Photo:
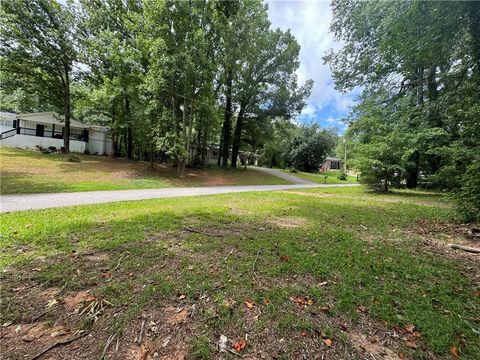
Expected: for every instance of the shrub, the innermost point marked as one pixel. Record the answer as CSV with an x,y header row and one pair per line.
x,y
73,158
468,195
293,170
342,176
52,148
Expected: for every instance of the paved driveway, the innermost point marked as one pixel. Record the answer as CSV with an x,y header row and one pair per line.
x,y
44,201
281,174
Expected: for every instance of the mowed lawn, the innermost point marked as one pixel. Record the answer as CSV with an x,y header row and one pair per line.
x,y
328,177
322,273
24,171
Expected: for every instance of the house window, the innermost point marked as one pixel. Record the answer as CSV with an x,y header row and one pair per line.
x,y
14,124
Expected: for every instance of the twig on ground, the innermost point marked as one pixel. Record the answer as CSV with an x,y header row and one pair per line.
x,y
58,343
226,257
254,268
465,248
35,318
255,262
107,345
140,335
118,264
203,233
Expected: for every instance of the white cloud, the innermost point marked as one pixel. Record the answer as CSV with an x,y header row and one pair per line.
x,y
309,21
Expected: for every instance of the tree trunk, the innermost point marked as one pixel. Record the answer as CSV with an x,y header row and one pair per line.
x,y
129,134
474,15
420,91
228,118
66,102
412,172
151,155
220,150
237,136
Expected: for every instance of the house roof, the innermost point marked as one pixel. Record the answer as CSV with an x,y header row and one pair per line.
x,y
7,115
50,117
329,158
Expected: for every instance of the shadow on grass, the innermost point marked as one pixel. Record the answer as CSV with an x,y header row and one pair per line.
x,y
395,283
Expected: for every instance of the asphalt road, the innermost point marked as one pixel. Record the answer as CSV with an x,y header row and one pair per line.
x,y
10,203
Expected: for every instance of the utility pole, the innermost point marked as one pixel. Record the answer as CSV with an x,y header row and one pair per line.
x,y
345,153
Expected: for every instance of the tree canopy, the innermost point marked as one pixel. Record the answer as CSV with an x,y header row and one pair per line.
x,y
163,75
418,63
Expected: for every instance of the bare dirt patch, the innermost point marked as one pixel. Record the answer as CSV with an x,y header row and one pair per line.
x,y
97,257
77,299
438,235
288,222
310,194
372,347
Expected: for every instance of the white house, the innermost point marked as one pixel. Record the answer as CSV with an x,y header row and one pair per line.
x,y
212,151
45,129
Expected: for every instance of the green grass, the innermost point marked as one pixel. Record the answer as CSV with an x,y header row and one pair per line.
x,y
27,172
328,177
346,248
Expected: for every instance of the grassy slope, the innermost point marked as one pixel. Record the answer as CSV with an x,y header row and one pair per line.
x,y
332,177
363,258
25,171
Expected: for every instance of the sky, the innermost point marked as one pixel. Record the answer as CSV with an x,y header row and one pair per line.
x,y
309,22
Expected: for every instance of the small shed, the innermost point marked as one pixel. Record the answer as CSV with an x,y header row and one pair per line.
x,y
331,163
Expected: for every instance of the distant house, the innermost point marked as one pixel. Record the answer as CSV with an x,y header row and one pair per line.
x,y
331,163
211,153
46,129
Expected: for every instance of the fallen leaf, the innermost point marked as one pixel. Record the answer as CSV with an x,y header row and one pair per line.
x,y
302,301
190,267
401,355
240,345
412,344
57,333
304,333
455,351
409,328
51,303
476,293
327,342
106,275
249,304
181,297
284,258
266,301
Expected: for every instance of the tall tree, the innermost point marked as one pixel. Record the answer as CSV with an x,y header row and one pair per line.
x,y
38,51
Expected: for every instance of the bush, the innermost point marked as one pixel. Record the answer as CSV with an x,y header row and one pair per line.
x,y
293,170
52,148
468,196
73,158
342,176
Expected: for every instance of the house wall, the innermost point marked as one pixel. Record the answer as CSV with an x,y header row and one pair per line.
x,y
30,142
97,143
6,125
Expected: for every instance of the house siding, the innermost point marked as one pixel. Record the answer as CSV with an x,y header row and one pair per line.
x,y
30,142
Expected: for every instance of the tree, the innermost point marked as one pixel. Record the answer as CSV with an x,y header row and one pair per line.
x,y
38,52
308,147
418,62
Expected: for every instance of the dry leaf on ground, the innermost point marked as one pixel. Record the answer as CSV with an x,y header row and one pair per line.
x,y
240,345
249,304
